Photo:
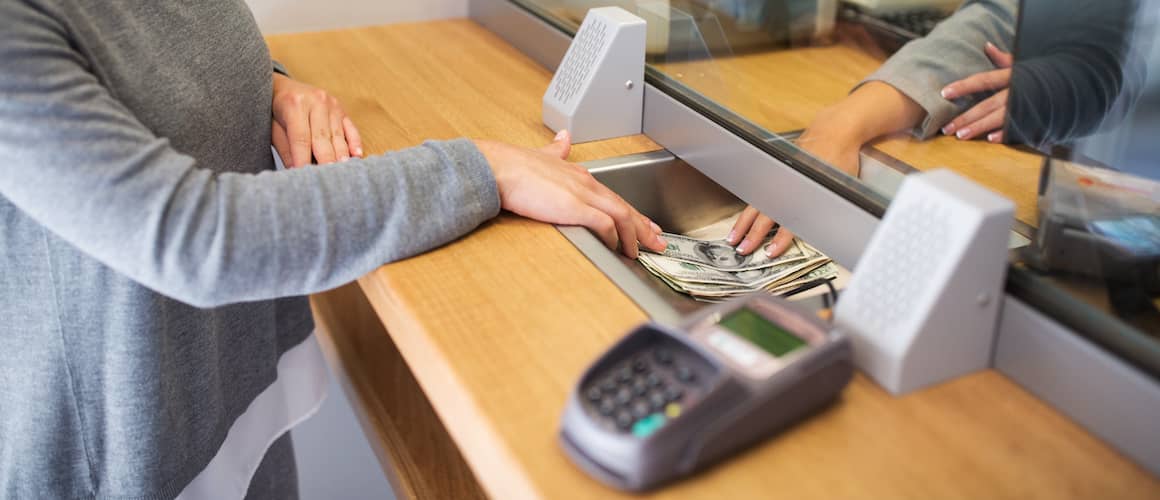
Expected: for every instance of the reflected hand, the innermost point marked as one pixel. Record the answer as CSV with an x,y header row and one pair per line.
x,y
830,139
986,117
309,122
541,185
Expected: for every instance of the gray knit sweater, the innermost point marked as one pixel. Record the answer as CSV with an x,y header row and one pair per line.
x,y
953,51
152,266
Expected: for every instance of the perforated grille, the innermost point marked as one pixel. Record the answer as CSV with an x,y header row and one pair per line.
x,y
900,270
582,56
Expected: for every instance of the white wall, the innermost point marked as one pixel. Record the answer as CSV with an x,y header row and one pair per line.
x,y
290,16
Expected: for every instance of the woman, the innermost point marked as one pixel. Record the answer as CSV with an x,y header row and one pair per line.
x,y
155,267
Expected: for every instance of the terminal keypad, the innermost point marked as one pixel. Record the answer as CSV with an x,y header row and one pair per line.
x,y
639,394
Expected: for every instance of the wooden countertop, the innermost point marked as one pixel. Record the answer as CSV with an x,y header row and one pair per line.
x,y
783,90
496,327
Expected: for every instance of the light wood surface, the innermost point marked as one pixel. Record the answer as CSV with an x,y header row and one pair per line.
x,y
497,326
407,83
783,90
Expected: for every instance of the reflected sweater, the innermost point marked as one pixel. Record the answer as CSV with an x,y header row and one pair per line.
x,y
152,265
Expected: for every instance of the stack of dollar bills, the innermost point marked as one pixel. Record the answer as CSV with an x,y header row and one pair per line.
x,y
712,271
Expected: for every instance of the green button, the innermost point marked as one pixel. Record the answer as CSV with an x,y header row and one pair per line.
x,y
648,425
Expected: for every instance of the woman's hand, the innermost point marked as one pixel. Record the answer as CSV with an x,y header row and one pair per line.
x,y
541,185
308,122
830,139
986,117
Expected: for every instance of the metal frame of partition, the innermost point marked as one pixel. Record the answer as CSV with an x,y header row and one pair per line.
x,y
1109,396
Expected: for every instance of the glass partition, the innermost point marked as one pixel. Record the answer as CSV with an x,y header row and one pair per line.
x,y
858,94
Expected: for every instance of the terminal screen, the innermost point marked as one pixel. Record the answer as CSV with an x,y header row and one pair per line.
x,y
761,332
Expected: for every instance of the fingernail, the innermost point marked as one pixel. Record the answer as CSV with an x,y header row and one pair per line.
x,y
560,135
358,151
948,129
947,92
991,45
993,137
343,158
742,247
654,226
770,249
732,238
963,133
662,241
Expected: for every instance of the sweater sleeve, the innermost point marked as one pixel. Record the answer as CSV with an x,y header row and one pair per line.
x,y
953,51
75,160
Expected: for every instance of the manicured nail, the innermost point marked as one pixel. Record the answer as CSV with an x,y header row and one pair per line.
x,y
770,249
949,129
742,247
947,92
732,238
991,45
561,135
662,241
993,137
358,152
343,158
963,133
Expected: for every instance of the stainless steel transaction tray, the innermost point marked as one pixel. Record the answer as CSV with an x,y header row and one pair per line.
x,y
674,195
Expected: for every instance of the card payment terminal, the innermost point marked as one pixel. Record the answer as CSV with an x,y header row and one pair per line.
x,y
664,402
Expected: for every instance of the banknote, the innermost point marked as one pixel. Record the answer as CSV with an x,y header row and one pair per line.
x,y
720,255
685,267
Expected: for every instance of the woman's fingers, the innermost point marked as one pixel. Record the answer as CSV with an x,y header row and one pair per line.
x,y
978,82
649,234
967,125
337,131
741,227
561,145
645,231
627,220
995,137
756,235
353,137
321,137
599,223
998,57
297,126
780,243
281,143
991,122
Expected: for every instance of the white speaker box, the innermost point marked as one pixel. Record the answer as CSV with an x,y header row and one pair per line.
x,y
598,89
922,306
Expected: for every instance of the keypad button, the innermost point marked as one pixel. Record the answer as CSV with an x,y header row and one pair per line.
x,y
648,425
640,365
674,394
640,409
607,406
663,355
639,387
673,410
624,419
624,374
653,380
594,394
657,400
623,396
608,386
685,374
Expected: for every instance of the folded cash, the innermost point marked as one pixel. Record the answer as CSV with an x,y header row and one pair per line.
x,y
712,271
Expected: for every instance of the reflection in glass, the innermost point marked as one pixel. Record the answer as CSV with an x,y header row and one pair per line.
x,y
878,89
1085,87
